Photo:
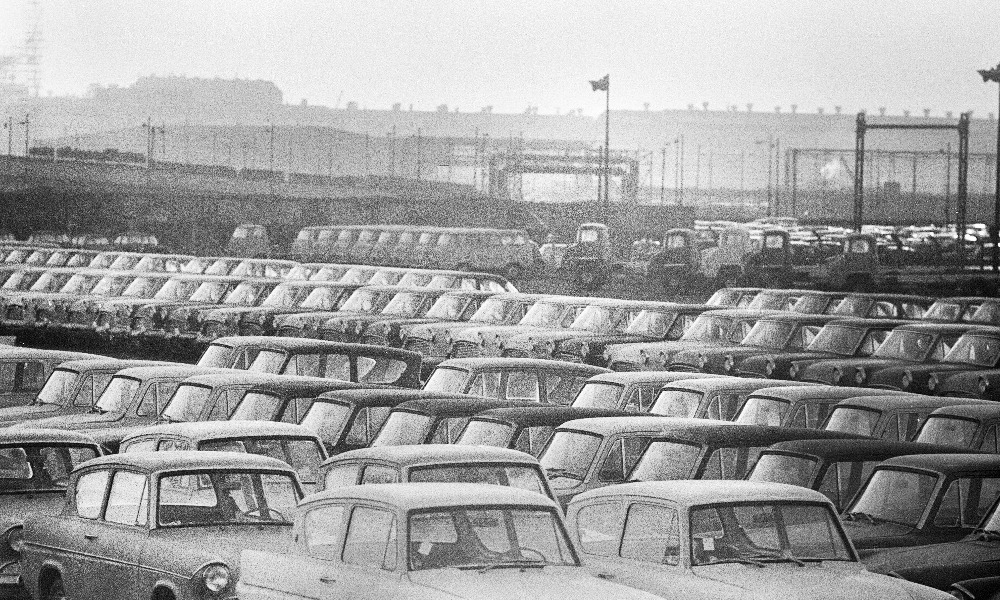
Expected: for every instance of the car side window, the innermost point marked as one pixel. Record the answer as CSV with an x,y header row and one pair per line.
x,y
600,528
623,455
8,375
379,474
128,501
799,417
486,385
532,439
843,479
371,539
322,528
85,397
891,429
882,309
522,385
871,341
341,475
89,495
652,535
990,443
148,405
33,376
561,389
724,406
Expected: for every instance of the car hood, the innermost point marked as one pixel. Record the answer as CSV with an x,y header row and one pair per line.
x,y
968,550
23,413
737,352
313,318
86,420
831,580
425,331
547,583
881,534
967,384
823,370
527,340
224,314
893,375
497,331
654,349
179,550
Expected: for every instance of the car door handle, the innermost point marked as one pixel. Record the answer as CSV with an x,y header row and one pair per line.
x,y
327,580
90,536
605,575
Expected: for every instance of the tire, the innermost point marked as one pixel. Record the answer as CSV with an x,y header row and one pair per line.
x,y
55,590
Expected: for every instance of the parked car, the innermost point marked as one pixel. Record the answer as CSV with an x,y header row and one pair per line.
x,y
837,339
72,387
435,463
159,525
835,468
81,320
455,306
797,405
277,397
334,360
883,306
34,471
349,419
954,310
433,420
733,297
24,371
293,444
887,417
917,343
632,391
433,341
367,300
921,500
972,426
709,539
775,299
710,397
776,333
977,350
711,329
522,379
814,302
419,540
527,429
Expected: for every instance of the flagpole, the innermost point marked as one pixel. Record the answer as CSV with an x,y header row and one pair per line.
x,y
607,139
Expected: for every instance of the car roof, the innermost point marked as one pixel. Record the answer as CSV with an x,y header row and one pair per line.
x,y
739,313
418,454
19,352
972,411
882,402
415,496
708,431
305,345
727,382
267,381
190,459
801,392
27,435
203,430
882,296
528,416
456,406
698,492
863,322
477,364
931,327
986,329
664,377
804,318
381,396
946,463
101,364
174,372
868,449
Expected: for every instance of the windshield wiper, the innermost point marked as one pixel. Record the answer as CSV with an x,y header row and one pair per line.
x,y
95,409
741,560
559,472
862,516
507,564
779,557
986,535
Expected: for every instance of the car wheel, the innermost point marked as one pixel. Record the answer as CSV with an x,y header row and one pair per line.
x,y
55,590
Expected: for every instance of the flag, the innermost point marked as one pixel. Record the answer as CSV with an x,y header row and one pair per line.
x,y
600,84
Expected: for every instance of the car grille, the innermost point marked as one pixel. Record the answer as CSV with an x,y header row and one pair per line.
x,y
418,345
142,324
568,357
622,365
104,319
464,349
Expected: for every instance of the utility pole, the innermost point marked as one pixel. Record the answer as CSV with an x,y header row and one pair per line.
x,y
392,155
419,158
663,176
151,131
777,176
682,170
697,168
947,185
27,132
9,126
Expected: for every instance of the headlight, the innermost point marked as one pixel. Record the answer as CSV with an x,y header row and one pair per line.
x,y
770,367
906,380
14,538
860,375
836,376
793,371
216,578
933,382
702,361
984,384
729,364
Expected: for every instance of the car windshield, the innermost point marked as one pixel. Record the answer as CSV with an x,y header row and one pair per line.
x,y
811,304
268,361
568,456
492,310
245,294
652,323
666,461
283,296
180,289
118,395
449,308
80,284
230,497
110,285
405,304
992,522
906,345
853,419
544,314
853,306
303,454
677,403
894,495
211,292
257,406
21,280
484,538
58,388
328,273
769,300
328,419
770,334
522,476
415,279
948,431
364,301
837,339
482,432
598,319
217,355
187,404
759,410
27,468
323,298
143,287
972,349
447,379
765,532
49,282
784,468
708,328
599,394
943,310
403,428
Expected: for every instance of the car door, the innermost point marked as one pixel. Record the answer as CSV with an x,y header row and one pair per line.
x,y
73,547
121,537
370,562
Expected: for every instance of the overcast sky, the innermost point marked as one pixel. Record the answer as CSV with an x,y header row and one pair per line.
x,y
515,53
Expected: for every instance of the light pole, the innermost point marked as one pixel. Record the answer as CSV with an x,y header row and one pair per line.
x,y
993,75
